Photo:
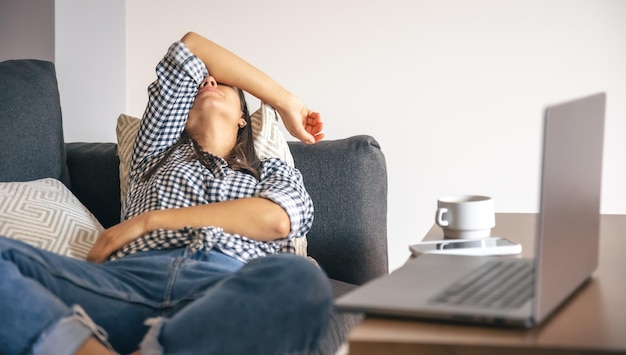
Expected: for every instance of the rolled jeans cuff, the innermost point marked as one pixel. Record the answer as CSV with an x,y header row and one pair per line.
x,y
69,334
150,343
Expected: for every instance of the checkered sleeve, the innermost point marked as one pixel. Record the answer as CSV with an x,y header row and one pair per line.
x,y
170,98
283,185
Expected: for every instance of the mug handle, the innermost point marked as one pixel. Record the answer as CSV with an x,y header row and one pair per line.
x,y
439,217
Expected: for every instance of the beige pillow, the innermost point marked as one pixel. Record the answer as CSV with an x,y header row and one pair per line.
x,y
126,131
45,214
268,142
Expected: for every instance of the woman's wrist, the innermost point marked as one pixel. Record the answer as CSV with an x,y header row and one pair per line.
x,y
281,100
149,221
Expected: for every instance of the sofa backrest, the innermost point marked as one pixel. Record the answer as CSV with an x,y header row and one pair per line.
x,y
346,178
31,129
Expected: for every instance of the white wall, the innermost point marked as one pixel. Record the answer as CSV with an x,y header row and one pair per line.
x,y
452,89
91,66
27,29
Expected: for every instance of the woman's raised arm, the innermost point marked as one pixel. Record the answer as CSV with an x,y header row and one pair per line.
x,y
228,68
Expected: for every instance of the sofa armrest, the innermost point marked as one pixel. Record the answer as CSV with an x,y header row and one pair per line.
x,y
95,180
347,180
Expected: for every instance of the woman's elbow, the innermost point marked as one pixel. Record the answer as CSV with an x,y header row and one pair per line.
x,y
190,39
277,223
282,225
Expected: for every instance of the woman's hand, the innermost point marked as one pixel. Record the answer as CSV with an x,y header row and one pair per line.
x,y
116,237
300,121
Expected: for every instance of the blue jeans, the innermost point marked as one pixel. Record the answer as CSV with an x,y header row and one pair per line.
x,y
163,301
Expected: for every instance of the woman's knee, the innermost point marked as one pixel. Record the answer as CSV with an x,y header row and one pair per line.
x,y
7,243
295,278
290,266
9,247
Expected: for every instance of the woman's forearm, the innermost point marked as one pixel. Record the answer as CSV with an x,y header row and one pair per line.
x,y
255,217
228,68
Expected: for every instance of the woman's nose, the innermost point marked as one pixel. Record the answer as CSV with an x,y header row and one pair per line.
x,y
209,80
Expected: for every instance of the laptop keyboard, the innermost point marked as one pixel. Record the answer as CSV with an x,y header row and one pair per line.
x,y
496,284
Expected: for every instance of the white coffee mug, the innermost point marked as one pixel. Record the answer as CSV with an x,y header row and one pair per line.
x,y
465,216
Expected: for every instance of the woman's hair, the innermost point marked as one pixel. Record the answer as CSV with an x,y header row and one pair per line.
x,y
242,157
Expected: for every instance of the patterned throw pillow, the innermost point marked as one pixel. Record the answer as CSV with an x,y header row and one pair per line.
x,y
126,131
268,142
45,214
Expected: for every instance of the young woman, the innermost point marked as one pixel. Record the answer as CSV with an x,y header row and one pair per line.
x,y
196,266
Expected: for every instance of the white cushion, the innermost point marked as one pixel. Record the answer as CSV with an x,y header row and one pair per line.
x,y
45,214
126,131
269,141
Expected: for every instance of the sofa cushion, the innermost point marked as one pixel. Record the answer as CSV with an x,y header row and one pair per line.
x,y
45,214
31,130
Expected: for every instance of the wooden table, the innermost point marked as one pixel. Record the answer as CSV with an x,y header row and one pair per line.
x,y
593,321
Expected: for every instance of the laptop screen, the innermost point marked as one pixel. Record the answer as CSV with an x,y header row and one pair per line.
x,y
568,226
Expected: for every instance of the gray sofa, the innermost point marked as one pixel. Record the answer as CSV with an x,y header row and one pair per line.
x,y
346,178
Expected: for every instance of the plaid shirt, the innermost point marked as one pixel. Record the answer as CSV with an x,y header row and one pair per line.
x,y
184,181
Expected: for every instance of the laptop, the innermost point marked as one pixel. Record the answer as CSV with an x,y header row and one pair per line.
x,y
514,291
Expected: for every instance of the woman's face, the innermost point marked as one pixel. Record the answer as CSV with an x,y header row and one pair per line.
x,y
216,101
